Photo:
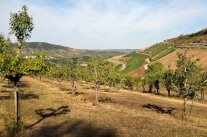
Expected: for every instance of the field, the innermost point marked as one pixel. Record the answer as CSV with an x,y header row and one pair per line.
x,y
49,111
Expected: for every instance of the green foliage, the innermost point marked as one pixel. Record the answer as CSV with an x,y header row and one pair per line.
x,y
98,70
71,70
159,50
153,75
21,24
153,72
113,77
188,76
134,60
128,82
13,67
167,79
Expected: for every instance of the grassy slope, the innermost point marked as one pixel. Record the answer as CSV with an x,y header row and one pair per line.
x,y
159,50
122,116
134,60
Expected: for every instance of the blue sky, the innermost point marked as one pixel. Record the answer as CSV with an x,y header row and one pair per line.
x,y
108,24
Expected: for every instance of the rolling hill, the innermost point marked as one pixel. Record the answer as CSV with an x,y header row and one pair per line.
x,y
58,52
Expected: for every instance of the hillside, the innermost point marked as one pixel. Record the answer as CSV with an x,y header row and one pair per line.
x,y
166,52
171,58
194,40
59,52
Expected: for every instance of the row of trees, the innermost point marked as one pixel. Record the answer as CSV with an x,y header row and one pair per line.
x,y
99,72
188,79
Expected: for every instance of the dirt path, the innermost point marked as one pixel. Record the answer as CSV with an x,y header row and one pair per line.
x,y
118,60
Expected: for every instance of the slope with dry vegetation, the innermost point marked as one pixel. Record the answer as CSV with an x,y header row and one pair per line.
x,y
49,110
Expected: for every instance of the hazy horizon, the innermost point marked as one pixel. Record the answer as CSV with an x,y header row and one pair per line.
x,y
108,24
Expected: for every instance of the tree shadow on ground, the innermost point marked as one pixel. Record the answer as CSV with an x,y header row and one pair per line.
x,y
75,128
22,96
24,85
159,109
49,112
6,91
7,86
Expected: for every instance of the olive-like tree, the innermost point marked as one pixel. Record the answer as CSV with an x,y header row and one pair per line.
x,y
72,74
97,73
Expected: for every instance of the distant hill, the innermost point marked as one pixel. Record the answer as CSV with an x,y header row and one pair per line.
x,y
123,50
59,52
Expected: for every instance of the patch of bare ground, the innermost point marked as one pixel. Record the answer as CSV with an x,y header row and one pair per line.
x,y
120,114
171,58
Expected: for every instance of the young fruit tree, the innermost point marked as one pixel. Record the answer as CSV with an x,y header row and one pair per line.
x,y
71,73
188,78
97,72
12,65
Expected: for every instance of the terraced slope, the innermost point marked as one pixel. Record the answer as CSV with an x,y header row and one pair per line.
x,y
159,50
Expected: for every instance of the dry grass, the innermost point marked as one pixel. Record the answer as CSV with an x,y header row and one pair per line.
x,y
171,58
120,114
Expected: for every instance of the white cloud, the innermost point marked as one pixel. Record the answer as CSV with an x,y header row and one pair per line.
x,y
109,23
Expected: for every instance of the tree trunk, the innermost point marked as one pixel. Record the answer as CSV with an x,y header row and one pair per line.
x,y
168,91
185,105
137,86
97,94
191,108
158,91
150,88
19,47
17,106
73,88
96,85
143,85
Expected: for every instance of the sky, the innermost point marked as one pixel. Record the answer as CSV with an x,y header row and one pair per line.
x,y
107,24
